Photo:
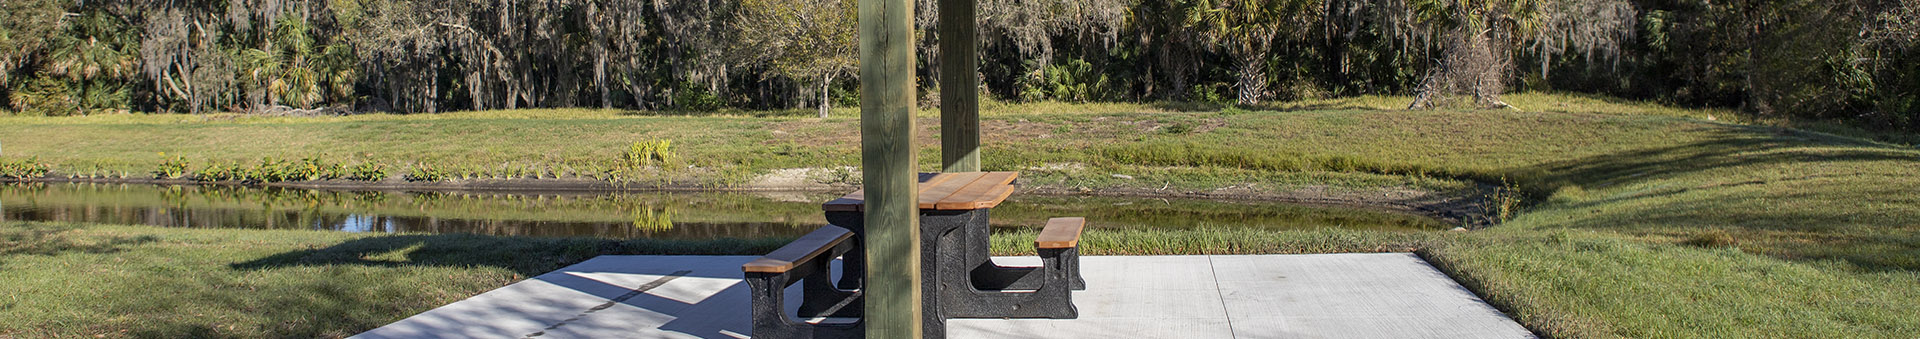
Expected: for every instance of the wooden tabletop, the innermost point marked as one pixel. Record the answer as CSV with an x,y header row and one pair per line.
x,y
945,191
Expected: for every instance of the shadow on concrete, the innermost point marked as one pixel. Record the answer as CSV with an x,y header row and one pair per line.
x,y
524,255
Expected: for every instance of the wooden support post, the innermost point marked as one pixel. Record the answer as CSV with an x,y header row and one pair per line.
x,y
892,236
959,88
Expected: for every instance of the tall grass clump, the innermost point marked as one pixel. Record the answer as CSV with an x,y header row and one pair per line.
x,y
643,153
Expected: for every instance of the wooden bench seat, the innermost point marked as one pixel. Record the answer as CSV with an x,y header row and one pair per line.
x,y
806,261
800,250
1060,233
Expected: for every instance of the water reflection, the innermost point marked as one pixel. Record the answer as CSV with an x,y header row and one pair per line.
x,y
609,215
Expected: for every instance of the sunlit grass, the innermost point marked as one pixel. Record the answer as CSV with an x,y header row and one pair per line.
x,y
1636,220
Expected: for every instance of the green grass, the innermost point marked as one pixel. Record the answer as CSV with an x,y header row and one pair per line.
x,y
1635,220
77,281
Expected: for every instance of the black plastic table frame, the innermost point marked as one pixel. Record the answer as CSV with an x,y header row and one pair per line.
x,y
960,279
977,245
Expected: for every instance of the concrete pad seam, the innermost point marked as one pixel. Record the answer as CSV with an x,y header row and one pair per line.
x,y
611,302
1217,293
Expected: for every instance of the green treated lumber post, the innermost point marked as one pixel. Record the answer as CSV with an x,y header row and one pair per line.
x,y
959,88
893,294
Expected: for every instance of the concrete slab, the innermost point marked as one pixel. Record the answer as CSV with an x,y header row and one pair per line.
x,y
1236,296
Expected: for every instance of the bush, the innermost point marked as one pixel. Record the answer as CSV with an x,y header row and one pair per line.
x,y
28,168
44,95
367,171
313,169
220,172
693,97
425,172
270,170
171,168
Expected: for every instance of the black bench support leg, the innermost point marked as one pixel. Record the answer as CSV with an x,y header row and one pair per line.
x,y
988,276
821,298
1052,299
768,291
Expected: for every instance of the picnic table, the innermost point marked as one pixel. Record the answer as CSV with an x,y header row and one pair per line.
x,y
960,279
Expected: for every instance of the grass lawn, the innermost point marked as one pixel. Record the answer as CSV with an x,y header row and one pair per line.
x,y
1632,220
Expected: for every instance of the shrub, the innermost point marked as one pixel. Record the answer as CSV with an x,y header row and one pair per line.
x,y
313,169
270,170
424,172
171,168
219,172
1506,202
367,171
28,168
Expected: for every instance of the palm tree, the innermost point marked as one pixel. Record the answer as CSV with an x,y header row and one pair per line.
x,y
93,58
1246,30
288,69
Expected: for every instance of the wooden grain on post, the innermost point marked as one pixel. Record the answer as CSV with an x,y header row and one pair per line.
x,y
959,88
893,291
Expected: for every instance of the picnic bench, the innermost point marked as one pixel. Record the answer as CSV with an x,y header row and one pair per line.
x,y
805,261
961,279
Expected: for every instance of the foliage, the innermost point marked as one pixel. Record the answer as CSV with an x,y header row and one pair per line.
x,y
294,67
367,171
86,66
172,168
312,168
650,152
271,170
809,40
1849,60
1074,81
427,173
25,26
220,171
23,169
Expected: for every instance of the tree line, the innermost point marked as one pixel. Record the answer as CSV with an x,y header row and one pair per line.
x,y
1851,60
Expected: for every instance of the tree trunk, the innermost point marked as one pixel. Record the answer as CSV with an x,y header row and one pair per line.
x,y
600,76
1253,78
826,95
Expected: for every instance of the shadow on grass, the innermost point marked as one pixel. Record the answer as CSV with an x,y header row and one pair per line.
x,y
523,255
728,112
47,240
1740,151
1788,194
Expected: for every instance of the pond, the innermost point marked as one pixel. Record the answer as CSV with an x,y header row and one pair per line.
x,y
610,215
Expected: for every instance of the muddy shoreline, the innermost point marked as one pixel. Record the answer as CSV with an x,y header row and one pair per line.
x,y
1461,207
